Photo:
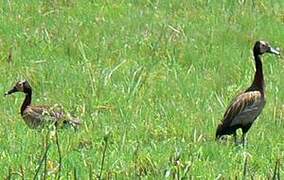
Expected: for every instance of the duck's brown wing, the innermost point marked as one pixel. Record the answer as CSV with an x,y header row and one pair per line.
x,y
244,109
35,115
38,109
42,111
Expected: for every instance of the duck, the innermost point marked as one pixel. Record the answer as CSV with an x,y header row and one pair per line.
x,y
36,116
248,105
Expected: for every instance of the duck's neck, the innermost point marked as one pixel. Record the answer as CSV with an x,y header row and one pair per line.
x,y
258,81
27,101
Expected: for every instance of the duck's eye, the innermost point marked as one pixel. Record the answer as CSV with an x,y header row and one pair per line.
x,y
263,47
20,85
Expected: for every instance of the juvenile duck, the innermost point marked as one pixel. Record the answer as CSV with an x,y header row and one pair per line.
x,y
36,116
246,107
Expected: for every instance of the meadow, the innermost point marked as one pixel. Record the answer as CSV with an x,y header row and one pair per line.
x,y
149,79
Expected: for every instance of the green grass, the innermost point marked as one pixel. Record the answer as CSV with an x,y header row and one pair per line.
x,y
152,77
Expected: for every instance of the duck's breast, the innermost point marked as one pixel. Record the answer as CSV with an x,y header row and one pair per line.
x,y
32,119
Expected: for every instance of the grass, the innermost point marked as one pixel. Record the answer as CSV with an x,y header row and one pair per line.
x,y
150,80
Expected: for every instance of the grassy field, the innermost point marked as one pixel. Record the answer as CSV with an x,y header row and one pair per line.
x,y
150,81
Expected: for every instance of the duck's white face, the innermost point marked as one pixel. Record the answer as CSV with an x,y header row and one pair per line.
x,y
20,85
263,47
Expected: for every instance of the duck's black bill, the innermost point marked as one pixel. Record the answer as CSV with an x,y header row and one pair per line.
x,y
274,51
11,91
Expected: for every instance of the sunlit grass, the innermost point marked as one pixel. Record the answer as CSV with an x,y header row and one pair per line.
x,y
154,77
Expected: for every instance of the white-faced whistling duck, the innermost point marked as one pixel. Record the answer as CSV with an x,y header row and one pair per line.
x,y
246,107
35,116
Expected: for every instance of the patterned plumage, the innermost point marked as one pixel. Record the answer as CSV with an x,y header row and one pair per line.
x,y
37,116
246,107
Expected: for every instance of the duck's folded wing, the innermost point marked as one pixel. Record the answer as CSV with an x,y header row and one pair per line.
x,y
244,109
47,111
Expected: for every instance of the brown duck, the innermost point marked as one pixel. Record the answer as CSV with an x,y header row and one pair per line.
x,y
246,107
36,116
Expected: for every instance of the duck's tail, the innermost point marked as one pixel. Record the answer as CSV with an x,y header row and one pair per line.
x,y
74,122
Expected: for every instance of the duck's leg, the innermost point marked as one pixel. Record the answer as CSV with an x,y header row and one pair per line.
x,y
244,139
245,130
235,137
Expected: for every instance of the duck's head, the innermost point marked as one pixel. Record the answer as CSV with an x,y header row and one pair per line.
x,y
21,86
261,47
